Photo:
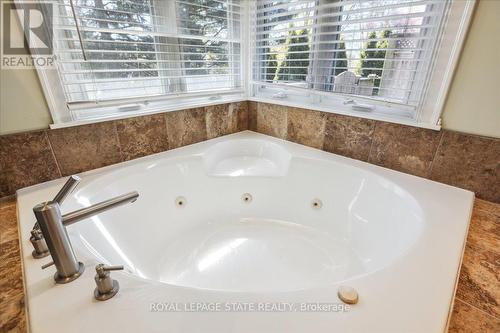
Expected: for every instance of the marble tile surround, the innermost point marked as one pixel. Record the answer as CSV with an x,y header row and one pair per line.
x,y
462,160
467,161
12,311
476,307
34,157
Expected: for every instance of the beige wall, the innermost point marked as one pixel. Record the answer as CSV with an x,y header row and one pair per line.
x,y
473,104
22,102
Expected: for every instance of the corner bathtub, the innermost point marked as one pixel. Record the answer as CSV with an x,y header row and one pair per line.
x,y
248,233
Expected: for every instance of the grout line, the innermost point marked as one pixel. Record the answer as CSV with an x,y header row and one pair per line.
x,y
371,142
53,153
440,143
286,137
165,118
323,134
247,127
478,309
120,151
205,115
257,117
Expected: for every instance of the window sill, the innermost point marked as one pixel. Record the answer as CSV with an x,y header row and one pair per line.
x,y
152,108
344,111
168,107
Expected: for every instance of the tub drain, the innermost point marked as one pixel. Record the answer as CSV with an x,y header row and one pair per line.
x,y
246,198
316,204
180,201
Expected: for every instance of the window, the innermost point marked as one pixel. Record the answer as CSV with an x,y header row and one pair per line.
x,y
111,52
363,57
387,59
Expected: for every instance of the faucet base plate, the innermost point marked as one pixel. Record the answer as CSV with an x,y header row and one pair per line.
x,y
39,255
103,297
61,280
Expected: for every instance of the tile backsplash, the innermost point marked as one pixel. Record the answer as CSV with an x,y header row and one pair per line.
x,y
467,161
34,157
462,160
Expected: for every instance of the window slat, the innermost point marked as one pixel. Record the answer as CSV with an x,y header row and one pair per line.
x,y
96,81
324,12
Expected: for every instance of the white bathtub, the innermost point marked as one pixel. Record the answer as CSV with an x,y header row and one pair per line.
x,y
270,263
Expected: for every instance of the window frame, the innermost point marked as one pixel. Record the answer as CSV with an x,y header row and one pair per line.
x,y
63,116
445,61
427,115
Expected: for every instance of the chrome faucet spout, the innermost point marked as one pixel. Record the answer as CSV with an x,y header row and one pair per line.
x,y
67,188
97,208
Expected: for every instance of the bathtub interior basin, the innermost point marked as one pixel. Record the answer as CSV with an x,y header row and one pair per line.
x,y
303,227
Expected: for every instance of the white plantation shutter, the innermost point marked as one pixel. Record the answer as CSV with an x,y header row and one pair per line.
x,y
375,55
111,50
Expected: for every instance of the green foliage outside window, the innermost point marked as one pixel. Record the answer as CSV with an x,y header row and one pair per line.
x,y
295,65
374,50
340,63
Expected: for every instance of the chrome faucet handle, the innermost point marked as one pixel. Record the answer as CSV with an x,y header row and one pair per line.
x,y
106,286
101,269
37,240
67,188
